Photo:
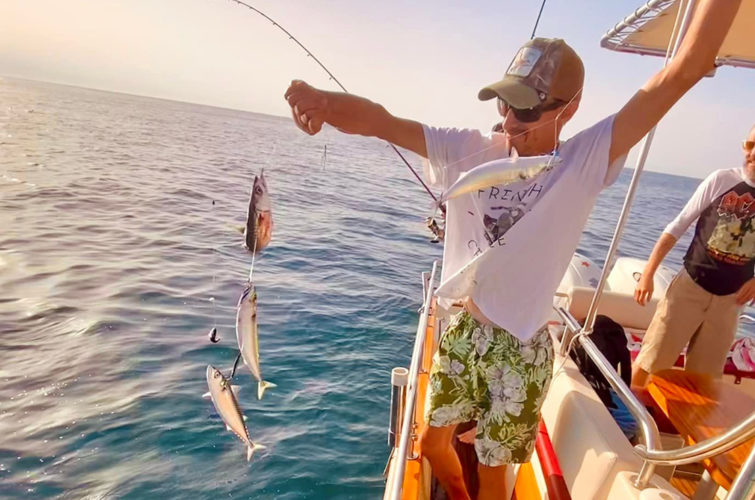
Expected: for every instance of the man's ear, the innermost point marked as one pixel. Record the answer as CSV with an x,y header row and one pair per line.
x,y
569,110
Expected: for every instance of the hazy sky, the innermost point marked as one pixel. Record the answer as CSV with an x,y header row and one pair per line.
x,y
424,59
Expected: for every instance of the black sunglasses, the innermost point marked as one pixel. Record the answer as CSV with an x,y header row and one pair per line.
x,y
530,114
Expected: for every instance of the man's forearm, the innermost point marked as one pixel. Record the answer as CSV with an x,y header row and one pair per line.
x,y
311,107
353,114
357,115
662,247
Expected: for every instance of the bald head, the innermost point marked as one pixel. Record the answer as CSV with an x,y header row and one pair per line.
x,y
749,154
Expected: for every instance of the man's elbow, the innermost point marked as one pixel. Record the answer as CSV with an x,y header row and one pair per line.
x,y
668,239
686,75
693,73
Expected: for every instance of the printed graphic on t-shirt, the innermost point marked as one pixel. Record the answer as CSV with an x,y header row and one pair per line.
x,y
501,208
495,228
733,238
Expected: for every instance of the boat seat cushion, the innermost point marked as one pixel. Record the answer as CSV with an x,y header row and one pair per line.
x,y
620,307
591,449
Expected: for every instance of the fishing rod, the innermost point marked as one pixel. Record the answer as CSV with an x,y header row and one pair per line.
x,y
332,77
537,21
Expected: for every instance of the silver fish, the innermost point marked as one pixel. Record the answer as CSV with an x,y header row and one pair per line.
x,y
223,396
247,336
500,172
258,230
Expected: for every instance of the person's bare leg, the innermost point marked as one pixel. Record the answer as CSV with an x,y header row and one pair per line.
x,y
492,482
436,446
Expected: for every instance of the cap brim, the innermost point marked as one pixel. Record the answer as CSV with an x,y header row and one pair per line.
x,y
516,94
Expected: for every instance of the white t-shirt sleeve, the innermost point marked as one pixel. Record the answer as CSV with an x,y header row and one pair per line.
x,y
592,146
451,151
702,197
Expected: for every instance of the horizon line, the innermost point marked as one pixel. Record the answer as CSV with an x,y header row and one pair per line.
x,y
224,108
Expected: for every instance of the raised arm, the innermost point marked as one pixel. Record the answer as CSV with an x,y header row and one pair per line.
x,y
351,114
695,58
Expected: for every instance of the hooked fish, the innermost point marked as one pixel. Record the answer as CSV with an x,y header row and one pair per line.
x,y
246,336
258,230
224,397
500,172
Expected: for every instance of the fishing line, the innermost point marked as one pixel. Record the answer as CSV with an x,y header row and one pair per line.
x,y
332,77
251,269
230,255
214,273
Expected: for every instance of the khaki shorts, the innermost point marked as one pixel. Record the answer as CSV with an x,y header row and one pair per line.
x,y
690,316
486,374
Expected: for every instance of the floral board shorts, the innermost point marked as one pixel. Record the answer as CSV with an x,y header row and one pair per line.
x,y
485,373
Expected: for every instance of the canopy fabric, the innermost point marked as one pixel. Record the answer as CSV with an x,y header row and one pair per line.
x,y
648,29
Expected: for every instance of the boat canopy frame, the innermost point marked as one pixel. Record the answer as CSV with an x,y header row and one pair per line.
x,y
642,33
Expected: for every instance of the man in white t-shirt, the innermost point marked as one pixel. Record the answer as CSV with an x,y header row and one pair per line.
x,y
507,246
701,307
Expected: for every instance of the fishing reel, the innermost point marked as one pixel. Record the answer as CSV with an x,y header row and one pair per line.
x,y
438,230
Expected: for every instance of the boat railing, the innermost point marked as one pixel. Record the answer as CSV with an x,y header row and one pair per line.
x,y
647,425
408,424
743,487
651,452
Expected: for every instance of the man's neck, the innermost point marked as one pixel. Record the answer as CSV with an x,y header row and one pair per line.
x,y
531,148
746,177
534,142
